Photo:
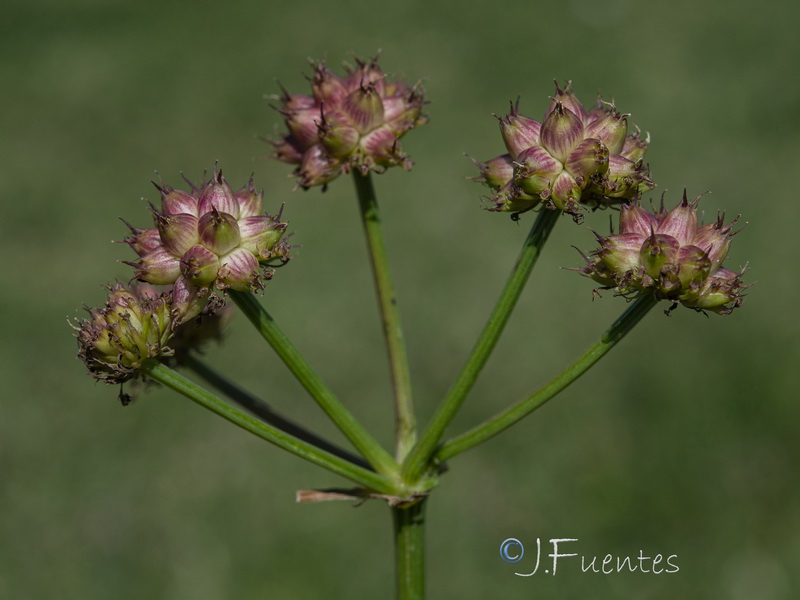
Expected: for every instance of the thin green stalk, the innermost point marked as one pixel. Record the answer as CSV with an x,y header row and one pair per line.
x,y
381,460
191,390
409,541
265,412
518,411
531,249
393,332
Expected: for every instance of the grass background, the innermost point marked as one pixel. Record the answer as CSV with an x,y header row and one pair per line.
x,y
683,441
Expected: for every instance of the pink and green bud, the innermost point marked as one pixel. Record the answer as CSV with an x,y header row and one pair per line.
x,y
635,147
519,132
239,270
562,131
133,326
536,171
669,256
568,100
199,265
218,195
250,201
176,202
178,232
587,161
611,127
566,193
496,172
219,232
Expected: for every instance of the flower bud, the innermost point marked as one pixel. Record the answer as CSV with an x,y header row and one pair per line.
x,y
536,170
610,127
218,195
496,172
588,160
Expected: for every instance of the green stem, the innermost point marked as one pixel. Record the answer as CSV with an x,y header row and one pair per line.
x,y
409,540
191,390
264,411
393,332
381,460
418,458
518,411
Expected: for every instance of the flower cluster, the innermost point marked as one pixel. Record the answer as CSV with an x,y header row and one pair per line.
x,y
669,255
572,157
352,122
134,325
211,238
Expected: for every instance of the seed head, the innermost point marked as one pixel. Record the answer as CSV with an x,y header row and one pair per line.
x,y
212,238
573,158
351,122
669,255
135,324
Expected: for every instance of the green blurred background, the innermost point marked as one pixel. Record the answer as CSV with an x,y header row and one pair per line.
x,y
683,441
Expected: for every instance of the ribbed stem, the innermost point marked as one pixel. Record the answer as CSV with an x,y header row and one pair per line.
x,y
409,540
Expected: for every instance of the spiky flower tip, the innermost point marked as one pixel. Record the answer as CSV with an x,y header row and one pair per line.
x,y
573,157
134,325
669,255
212,238
351,122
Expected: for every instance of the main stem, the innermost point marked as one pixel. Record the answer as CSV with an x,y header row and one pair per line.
x,y
418,458
381,460
393,332
612,336
409,541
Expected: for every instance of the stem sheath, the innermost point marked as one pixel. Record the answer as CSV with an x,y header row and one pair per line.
x,y
409,539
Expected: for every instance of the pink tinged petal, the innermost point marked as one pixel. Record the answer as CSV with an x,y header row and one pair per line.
x,y
326,86
587,161
496,172
694,266
364,108
239,271
219,232
568,99
519,132
260,235
381,145
658,250
340,141
188,299
561,132
287,150
535,170
715,238
401,113
680,222
611,128
178,232
368,74
316,168
218,195
199,265
158,267
635,146
175,202
635,219
144,240
304,125
566,193
250,201
625,178
620,253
